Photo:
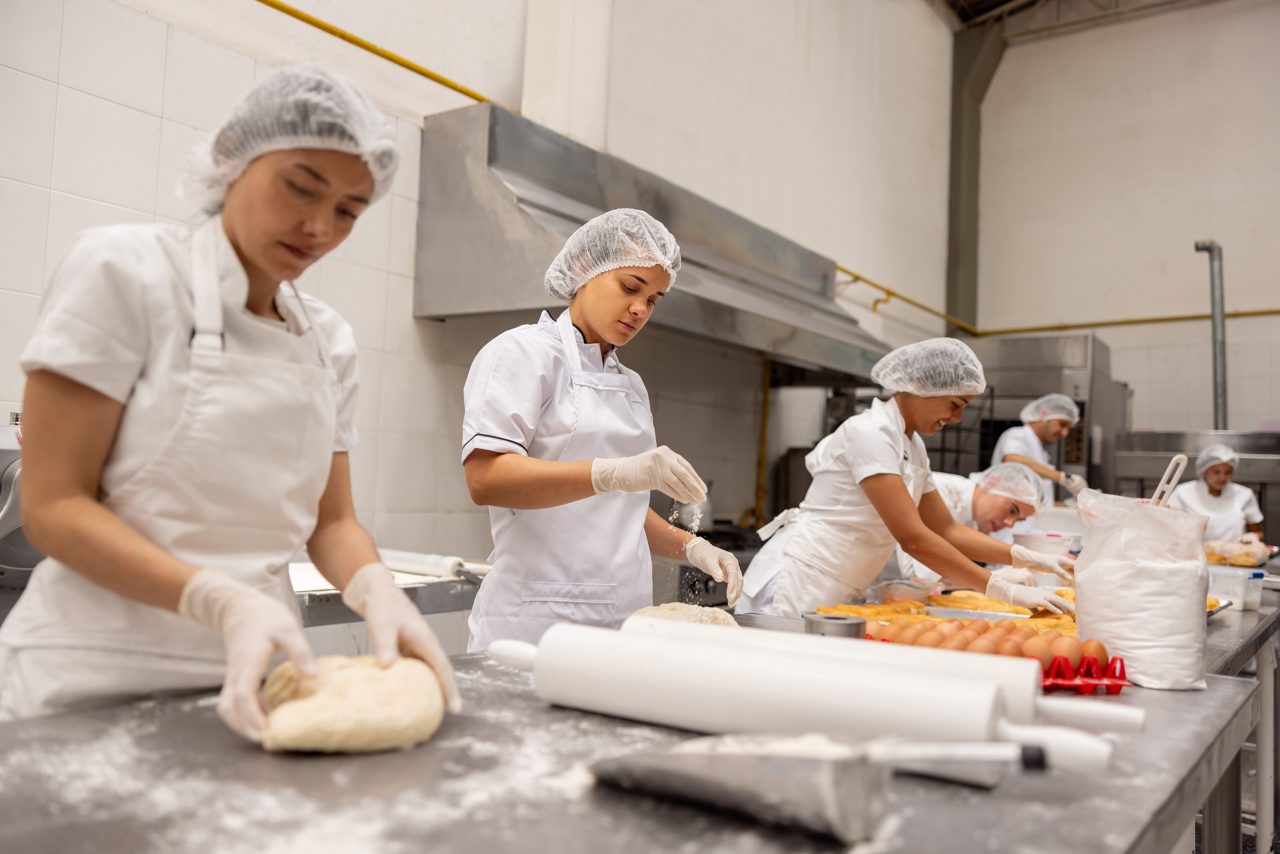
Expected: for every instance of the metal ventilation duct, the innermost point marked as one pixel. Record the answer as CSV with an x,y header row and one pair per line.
x,y
500,194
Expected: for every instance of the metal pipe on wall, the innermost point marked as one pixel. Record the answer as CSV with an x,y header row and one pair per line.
x,y
1219,330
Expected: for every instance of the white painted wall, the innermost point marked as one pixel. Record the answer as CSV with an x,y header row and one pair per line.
x,y
826,121
1106,155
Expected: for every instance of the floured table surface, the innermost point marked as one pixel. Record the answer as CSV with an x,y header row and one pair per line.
x,y
508,775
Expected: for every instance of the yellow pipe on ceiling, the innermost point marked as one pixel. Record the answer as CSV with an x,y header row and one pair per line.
x,y
889,293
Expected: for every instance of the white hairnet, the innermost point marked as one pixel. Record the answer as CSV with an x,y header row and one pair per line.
x,y
936,367
1213,455
619,238
299,106
1049,407
1012,480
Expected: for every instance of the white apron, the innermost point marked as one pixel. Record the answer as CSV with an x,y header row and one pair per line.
x,y
781,584
235,486
583,562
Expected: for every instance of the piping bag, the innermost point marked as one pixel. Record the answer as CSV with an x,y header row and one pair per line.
x,y
808,782
721,690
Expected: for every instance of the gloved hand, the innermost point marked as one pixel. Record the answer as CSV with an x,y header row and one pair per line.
x,y
1074,483
396,625
1250,538
1025,558
661,469
1000,587
253,626
717,563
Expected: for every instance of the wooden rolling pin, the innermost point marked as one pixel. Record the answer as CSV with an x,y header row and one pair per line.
x,y
718,689
1017,678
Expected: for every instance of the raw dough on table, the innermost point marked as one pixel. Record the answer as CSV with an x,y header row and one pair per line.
x,y
682,613
353,705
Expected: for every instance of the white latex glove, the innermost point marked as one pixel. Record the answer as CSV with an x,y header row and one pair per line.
x,y
661,469
1000,587
1074,483
717,563
1063,565
396,625
253,626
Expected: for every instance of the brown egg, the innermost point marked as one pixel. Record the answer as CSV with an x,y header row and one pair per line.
x,y
890,632
1051,635
1097,650
1023,632
1038,648
902,622
874,628
1004,626
910,633
1009,646
956,642
979,626
983,644
950,627
933,637
1069,648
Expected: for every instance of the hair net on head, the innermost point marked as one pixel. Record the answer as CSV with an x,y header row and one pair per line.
x,y
619,238
1049,407
933,368
1012,480
1213,455
299,106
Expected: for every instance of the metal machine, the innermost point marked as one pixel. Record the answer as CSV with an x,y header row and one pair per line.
x,y
17,557
1140,459
1021,368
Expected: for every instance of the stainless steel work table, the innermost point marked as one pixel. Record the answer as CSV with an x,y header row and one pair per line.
x,y
506,776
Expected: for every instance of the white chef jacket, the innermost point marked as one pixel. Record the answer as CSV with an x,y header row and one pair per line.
x,y
1228,513
118,318
1023,440
957,493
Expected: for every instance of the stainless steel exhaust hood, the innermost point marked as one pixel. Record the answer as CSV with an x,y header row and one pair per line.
x,y
500,194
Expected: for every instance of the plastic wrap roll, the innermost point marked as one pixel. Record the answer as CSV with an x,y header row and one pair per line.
x,y
717,689
1017,678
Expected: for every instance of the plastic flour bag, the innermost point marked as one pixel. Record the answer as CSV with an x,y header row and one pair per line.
x,y
1141,584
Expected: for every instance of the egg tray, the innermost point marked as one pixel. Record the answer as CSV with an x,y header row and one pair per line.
x,y
1088,679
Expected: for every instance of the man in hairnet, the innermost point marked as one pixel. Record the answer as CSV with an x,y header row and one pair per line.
x,y
188,418
872,492
987,501
1045,422
558,440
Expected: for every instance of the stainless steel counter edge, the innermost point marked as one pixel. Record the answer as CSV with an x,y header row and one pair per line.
x,y
325,608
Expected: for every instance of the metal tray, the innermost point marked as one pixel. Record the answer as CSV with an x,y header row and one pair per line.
x,y
966,614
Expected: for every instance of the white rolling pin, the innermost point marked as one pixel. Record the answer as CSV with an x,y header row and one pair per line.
x,y
716,689
1017,678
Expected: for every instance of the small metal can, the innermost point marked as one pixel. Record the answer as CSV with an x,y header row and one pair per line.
x,y
836,625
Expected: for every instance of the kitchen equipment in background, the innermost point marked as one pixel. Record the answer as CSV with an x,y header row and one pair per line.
x,y
1141,458
717,689
1021,368
17,556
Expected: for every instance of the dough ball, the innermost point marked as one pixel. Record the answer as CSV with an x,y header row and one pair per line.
x,y
682,613
353,705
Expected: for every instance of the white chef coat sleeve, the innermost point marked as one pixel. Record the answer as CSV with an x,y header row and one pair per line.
x,y
869,450
1178,498
505,391
93,320
1017,442
339,343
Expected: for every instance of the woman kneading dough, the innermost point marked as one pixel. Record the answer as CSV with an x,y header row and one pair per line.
x,y
558,440
187,428
872,491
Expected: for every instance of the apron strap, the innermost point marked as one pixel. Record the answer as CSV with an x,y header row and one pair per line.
x,y
777,522
208,335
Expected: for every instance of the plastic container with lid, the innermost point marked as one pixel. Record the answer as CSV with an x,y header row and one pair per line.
x,y
1241,587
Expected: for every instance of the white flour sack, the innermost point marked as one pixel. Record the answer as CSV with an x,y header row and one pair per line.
x,y
1141,584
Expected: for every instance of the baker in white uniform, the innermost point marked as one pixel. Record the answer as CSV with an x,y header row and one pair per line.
x,y
187,423
1232,509
1045,421
872,491
987,501
558,441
